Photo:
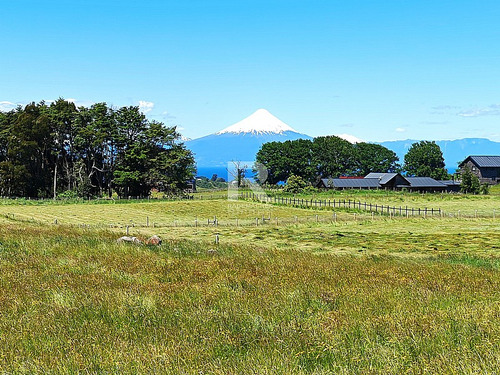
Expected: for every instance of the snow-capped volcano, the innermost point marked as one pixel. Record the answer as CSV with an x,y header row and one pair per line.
x,y
260,122
242,140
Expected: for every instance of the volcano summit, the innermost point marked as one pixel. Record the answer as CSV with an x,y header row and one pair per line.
x,y
242,140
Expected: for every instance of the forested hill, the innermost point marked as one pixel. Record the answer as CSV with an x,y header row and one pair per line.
x,y
453,151
46,150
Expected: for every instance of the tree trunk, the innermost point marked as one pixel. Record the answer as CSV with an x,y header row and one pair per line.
x,y
55,181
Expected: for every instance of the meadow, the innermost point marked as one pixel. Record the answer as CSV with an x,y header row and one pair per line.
x,y
310,293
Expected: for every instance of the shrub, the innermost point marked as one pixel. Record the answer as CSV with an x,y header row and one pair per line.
x,y
485,189
470,182
295,184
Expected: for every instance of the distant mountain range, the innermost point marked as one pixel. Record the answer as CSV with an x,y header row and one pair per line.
x,y
241,141
454,151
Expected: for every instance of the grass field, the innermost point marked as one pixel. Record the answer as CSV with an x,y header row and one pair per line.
x,y
308,295
450,203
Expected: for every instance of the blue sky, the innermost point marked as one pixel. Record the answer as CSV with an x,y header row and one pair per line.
x,y
379,70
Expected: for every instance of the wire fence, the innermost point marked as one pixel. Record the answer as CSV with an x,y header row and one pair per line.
x,y
351,204
344,203
334,211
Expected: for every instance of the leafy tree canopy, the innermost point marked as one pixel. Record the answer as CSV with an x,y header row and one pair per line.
x,y
49,150
283,159
326,157
371,157
425,159
333,156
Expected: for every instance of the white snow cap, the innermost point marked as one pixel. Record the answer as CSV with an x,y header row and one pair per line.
x,y
260,122
350,138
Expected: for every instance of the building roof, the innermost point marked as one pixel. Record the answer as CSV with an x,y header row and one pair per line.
x,y
375,175
423,182
348,183
450,182
377,180
484,161
383,178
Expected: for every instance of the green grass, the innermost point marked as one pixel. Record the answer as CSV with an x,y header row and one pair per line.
x,y
467,204
353,296
339,232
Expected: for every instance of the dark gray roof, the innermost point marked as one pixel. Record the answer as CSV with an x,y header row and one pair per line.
x,y
383,177
351,183
485,161
424,182
375,175
387,177
450,182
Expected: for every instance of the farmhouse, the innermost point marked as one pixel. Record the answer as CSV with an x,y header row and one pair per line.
x,y
486,168
393,181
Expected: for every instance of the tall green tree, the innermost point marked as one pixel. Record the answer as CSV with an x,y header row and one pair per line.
x,y
132,152
148,155
371,157
425,159
62,115
333,156
170,163
283,159
27,165
96,143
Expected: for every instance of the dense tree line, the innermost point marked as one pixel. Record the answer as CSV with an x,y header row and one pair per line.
x,y
326,157
331,156
46,150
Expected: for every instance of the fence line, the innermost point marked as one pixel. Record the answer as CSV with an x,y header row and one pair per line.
x,y
344,203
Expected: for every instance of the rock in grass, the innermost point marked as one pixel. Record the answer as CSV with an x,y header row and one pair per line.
x,y
154,240
134,240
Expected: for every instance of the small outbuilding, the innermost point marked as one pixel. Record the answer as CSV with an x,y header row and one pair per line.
x,y
486,168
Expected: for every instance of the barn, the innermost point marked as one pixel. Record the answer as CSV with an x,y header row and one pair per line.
x,y
486,168
392,181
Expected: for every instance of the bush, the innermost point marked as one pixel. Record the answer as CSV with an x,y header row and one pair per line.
x,y
68,194
295,184
470,182
310,189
